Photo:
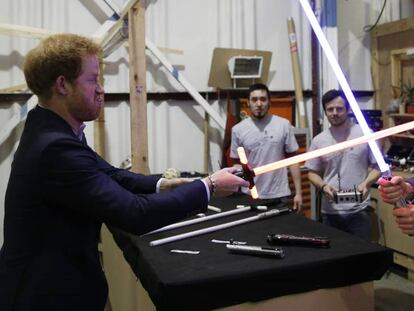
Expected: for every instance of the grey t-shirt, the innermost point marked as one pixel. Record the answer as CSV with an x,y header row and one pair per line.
x,y
351,164
266,141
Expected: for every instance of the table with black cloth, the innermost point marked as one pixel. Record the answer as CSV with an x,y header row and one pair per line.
x,y
216,278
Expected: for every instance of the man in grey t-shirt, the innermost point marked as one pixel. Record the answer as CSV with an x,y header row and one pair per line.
x,y
267,138
354,168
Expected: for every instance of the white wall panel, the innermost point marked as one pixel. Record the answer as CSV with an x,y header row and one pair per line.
x,y
198,27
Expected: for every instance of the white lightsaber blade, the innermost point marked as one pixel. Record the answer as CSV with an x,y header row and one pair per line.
x,y
334,148
343,83
242,155
198,220
243,160
271,213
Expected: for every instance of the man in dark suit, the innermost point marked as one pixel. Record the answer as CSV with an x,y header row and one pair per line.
x,y
60,191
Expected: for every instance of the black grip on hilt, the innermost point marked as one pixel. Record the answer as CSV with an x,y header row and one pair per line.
x,y
289,239
247,174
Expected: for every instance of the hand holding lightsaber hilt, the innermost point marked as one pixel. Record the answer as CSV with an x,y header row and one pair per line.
x,y
387,175
247,173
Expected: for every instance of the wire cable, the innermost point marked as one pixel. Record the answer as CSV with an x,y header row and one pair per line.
x,y
368,28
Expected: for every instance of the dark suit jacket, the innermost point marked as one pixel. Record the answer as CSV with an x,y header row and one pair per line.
x,y
59,193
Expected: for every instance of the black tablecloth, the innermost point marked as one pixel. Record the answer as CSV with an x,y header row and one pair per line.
x,y
217,278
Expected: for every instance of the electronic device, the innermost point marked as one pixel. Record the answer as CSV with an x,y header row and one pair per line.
x,y
290,239
256,250
245,67
351,196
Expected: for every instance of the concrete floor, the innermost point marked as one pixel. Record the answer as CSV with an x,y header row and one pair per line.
x,y
394,292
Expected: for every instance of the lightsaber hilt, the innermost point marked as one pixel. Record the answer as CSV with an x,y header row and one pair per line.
x,y
247,174
388,175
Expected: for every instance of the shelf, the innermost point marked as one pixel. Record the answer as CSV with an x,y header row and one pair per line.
x,y
402,115
401,118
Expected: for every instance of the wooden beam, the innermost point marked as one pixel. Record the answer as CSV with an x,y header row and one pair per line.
x,y
14,88
164,49
116,26
170,50
138,88
206,141
99,134
24,31
393,27
297,76
183,81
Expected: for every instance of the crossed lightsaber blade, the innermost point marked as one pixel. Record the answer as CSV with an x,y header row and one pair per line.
x,y
368,137
251,173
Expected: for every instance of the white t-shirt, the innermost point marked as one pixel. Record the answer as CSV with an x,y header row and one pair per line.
x,y
266,141
348,167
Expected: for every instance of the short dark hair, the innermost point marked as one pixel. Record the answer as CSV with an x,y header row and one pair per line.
x,y
331,95
259,86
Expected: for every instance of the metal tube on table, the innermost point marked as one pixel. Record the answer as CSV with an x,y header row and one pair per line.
x,y
190,234
198,220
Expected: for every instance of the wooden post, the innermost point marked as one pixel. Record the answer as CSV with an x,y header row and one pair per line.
x,y
137,85
99,134
206,141
99,123
296,73
125,292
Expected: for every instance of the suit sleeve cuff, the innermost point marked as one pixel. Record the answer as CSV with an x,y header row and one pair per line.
x,y
207,189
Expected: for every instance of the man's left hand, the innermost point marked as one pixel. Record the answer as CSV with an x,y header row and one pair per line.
x,y
297,203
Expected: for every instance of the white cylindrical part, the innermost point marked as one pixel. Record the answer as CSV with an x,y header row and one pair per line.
x,y
190,234
198,220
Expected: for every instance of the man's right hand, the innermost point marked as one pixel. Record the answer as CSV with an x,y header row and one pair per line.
x,y
226,182
393,190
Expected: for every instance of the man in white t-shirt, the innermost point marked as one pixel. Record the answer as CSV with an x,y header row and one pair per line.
x,y
267,138
354,168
